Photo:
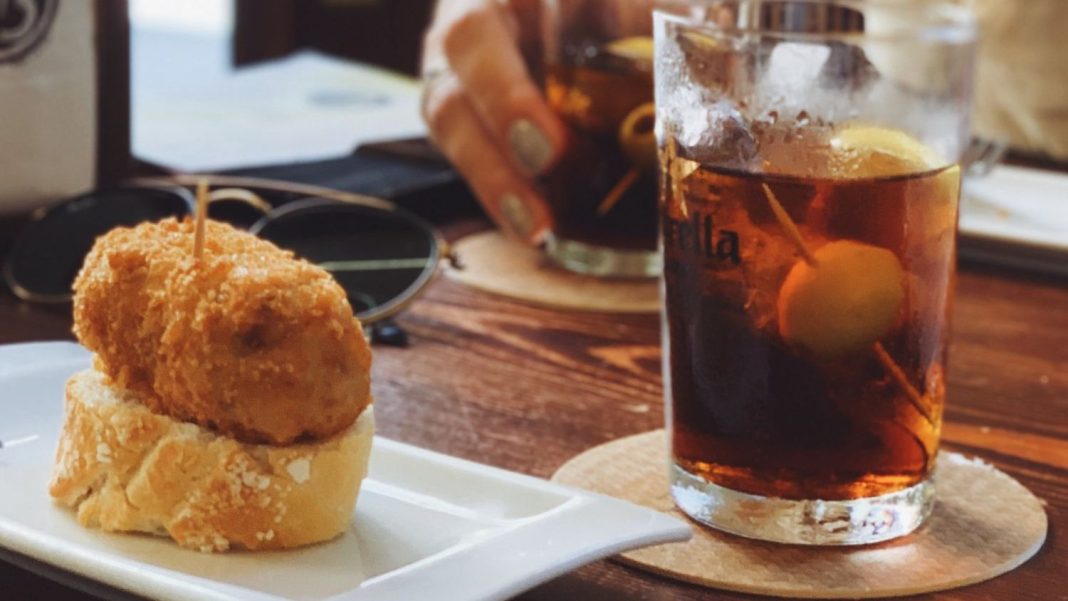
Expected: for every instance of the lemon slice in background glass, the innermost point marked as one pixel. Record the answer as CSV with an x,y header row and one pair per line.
x,y
636,48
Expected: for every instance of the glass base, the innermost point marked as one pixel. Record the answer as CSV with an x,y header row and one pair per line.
x,y
603,261
805,522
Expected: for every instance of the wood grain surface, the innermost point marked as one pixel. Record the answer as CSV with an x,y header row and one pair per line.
x,y
527,388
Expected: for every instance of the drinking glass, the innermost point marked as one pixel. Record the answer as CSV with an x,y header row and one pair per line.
x,y
599,81
809,188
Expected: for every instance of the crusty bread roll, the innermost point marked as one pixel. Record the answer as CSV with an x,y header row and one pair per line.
x,y
124,468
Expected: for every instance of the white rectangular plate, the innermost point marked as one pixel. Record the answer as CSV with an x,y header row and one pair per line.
x,y
1016,217
427,526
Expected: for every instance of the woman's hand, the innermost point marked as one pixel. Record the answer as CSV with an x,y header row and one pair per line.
x,y
485,112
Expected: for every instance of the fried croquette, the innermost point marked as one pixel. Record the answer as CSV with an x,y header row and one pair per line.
x,y
246,340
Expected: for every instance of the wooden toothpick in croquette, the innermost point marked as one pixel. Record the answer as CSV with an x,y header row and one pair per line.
x,y
201,217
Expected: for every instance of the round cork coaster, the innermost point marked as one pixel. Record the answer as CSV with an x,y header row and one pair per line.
x,y
984,524
495,264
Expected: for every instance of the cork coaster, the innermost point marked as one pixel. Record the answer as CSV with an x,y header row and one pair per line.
x,y
984,524
493,263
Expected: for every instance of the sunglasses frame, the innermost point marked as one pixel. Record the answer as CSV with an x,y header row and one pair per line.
x,y
306,196
439,251
42,212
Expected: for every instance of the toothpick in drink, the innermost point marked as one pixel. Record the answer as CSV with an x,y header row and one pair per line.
x,y
638,143
616,193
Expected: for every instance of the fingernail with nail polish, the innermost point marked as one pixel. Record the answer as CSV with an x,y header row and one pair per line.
x,y
531,147
517,215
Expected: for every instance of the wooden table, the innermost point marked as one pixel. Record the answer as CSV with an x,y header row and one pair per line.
x,y
524,388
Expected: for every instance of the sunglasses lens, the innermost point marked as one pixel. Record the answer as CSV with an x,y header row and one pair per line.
x,y
235,212
380,257
46,257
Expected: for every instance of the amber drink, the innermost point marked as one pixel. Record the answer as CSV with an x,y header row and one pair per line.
x,y
602,191
808,271
844,409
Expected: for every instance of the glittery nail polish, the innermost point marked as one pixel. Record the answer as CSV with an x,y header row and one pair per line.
x,y
530,146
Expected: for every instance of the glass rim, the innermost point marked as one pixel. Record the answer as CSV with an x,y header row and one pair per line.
x,y
937,20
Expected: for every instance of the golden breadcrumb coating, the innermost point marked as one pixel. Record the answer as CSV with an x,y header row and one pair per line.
x,y
248,340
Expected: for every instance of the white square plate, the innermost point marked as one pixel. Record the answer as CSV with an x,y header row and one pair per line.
x,y
426,526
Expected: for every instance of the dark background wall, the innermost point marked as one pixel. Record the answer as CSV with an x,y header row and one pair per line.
x,y
381,32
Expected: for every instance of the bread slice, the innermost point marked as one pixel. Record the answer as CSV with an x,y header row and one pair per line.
x,y
124,468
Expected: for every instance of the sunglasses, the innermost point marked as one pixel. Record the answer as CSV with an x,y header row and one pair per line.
x,y
382,255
